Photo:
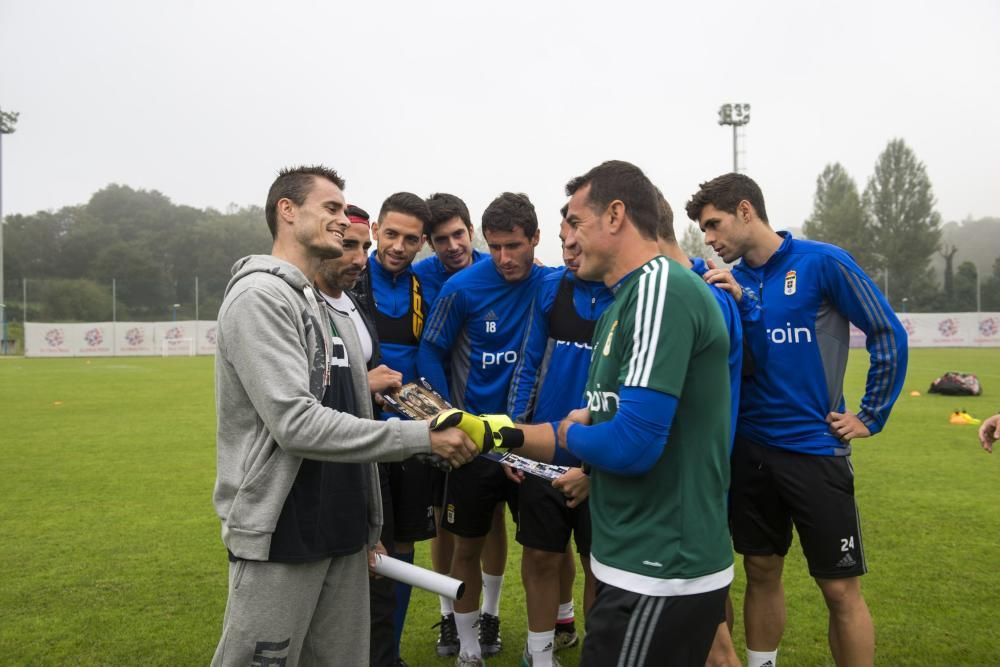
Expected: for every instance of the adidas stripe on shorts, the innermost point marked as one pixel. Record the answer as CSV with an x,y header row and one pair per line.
x,y
628,629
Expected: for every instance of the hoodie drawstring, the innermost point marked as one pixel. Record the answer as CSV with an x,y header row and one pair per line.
x,y
327,341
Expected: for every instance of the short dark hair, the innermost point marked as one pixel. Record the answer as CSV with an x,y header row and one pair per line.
x,y
508,211
616,179
408,203
443,208
725,193
295,183
665,226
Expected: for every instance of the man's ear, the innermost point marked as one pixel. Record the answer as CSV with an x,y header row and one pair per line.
x,y
745,211
285,208
616,211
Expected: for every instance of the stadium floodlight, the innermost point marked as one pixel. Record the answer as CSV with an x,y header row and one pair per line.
x,y
736,115
8,119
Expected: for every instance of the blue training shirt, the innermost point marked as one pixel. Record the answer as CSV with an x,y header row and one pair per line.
x,y
731,316
399,316
433,274
477,322
552,370
393,297
796,310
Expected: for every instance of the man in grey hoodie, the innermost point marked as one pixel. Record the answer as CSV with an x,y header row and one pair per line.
x,y
296,489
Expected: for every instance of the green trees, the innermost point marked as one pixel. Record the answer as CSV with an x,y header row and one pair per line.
x,y
906,228
693,243
839,218
963,297
151,248
894,231
990,289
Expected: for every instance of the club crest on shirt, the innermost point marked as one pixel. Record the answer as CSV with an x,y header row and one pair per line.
x,y
790,283
607,343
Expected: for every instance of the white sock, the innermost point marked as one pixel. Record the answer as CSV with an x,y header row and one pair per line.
x,y
491,593
762,658
540,648
468,636
447,605
565,612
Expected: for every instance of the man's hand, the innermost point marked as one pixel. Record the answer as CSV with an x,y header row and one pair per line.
x,y
373,553
575,485
723,278
382,378
454,446
989,432
847,426
578,416
516,476
487,431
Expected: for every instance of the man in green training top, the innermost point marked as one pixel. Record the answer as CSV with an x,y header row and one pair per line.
x,y
655,433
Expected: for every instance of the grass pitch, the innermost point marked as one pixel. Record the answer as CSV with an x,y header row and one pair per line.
x,y
112,553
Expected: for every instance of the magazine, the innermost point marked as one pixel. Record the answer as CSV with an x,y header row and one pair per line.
x,y
537,468
415,400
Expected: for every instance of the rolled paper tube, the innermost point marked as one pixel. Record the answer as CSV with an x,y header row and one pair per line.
x,y
415,575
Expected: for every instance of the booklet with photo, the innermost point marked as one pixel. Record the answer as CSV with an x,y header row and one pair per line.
x,y
415,400
418,400
537,468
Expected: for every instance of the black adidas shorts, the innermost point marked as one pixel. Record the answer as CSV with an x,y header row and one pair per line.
x,y
471,494
544,521
626,628
773,488
412,493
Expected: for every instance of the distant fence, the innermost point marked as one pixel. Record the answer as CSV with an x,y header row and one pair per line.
x,y
945,330
119,339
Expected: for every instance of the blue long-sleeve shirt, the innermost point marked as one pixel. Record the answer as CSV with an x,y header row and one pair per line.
x,y
477,323
731,316
552,371
797,308
393,300
433,274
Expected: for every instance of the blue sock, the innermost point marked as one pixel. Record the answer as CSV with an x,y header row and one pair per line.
x,y
402,603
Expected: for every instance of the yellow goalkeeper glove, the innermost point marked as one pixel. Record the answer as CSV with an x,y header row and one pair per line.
x,y
486,431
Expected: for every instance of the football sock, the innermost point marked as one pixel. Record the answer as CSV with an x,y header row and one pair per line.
x,y
762,658
565,613
491,593
402,602
540,648
468,636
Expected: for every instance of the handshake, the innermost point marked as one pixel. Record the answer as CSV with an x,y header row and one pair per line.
x,y
486,431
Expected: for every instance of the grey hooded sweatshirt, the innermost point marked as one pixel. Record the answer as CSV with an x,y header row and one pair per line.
x,y
271,365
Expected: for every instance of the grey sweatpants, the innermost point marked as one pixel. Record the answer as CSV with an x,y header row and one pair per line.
x,y
296,613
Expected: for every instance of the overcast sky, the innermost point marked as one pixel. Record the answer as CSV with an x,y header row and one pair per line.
x,y
204,101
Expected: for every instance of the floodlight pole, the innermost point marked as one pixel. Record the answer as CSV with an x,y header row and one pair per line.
x,y
736,115
8,119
